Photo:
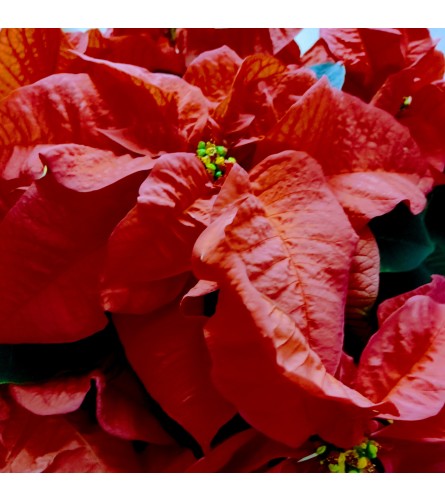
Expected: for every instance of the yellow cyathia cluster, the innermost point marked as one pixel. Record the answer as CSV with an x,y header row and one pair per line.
x,y
358,459
214,158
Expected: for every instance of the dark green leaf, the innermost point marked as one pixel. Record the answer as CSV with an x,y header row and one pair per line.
x,y
435,223
403,240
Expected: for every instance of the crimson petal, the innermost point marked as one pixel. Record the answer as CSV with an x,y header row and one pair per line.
x,y
434,290
404,361
148,265
28,55
54,297
213,72
167,351
263,257
33,443
370,160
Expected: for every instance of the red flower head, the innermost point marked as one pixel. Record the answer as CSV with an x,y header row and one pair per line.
x,y
220,222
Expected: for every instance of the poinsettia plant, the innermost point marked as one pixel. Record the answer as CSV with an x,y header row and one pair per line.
x,y
220,255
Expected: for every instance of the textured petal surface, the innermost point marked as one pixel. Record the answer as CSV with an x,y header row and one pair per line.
x,y
404,361
365,195
168,352
371,55
177,111
59,109
193,42
265,367
148,48
54,397
149,252
32,443
428,430
263,89
54,297
213,72
247,451
266,260
401,456
435,290
84,169
295,196
364,276
123,409
27,55
350,138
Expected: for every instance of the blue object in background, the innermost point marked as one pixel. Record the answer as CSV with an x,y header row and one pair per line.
x,y
306,38
335,72
439,33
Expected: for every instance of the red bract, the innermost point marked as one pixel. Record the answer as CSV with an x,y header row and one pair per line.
x,y
230,282
103,111
150,48
425,118
213,72
271,281
278,42
266,335
370,160
31,443
428,68
170,50
410,348
372,55
121,406
155,112
54,397
168,353
395,70
407,456
53,297
363,282
261,92
148,262
247,451
435,290
58,109
28,55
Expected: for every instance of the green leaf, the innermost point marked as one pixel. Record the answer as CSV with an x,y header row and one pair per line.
x,y
434,220
403,240
335,73
22,363
393,284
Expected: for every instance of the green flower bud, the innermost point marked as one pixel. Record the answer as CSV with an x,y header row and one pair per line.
x,y
201,145
407,100
221,150
201,152
218,174
372,450
321,449
231,159
211,166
